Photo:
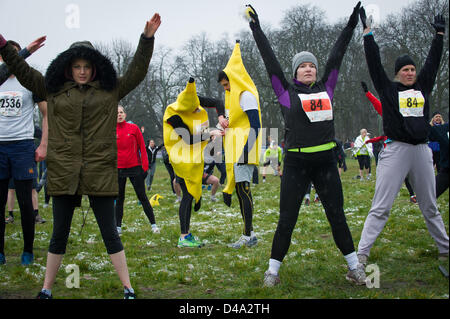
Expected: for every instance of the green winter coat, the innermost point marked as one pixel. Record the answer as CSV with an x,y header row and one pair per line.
x,y
82,147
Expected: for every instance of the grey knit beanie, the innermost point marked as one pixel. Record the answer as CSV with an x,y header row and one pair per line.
x,y
303,57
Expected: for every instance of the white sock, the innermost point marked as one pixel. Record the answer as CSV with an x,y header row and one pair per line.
x,y
274,266
252,234
154,226
352,260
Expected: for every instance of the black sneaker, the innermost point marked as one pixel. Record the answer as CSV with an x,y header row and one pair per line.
x,y
129,295
43,295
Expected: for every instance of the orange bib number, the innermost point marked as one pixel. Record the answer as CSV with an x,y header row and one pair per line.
x,y
317,106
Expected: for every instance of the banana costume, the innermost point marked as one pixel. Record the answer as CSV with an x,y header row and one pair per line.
x,y
187,160
238,129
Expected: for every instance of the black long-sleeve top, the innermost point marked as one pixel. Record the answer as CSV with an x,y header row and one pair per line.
x,y
303,130
408,129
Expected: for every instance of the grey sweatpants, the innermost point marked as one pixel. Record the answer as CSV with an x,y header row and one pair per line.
x,y
396,161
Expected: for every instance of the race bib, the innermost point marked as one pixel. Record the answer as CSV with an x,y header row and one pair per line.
x,y
11,103
411,103
317,106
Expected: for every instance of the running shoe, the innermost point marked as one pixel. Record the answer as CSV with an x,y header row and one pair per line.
x,y
244,241
129,295
189,241
2,259
413,199
316,200
213,198
39,219
155,229
43,295
271,280
357,276
45,205
27,258
9,220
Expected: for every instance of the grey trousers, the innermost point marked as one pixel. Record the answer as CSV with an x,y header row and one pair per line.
x,y
395,162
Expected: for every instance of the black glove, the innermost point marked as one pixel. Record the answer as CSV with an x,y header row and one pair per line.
x,y
363,17
439,23
254,24
353,21
364,86
227,199
198,205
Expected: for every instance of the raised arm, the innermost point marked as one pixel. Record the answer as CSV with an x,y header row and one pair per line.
x,y
372,51
138,67
30,78
375,102
337,53
428,73
277,79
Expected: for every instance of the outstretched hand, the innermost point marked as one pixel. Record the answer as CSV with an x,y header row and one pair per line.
x,y
254,23
439,23
353,20
36,44
152,25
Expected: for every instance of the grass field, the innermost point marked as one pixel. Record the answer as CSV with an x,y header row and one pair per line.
x,y
313,268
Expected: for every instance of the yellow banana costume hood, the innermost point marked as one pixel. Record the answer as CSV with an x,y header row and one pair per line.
x,y
187,160
238,129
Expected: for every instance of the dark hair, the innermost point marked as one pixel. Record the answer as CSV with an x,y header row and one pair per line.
x,y
14,43
222,75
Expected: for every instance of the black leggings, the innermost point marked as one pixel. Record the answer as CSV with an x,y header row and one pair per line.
x,y
171,174
441,181
246,203
363,161
185,207
23,193
103,207
409,187
298,172
139,188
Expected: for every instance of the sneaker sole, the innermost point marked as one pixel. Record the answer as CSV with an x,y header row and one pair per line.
x,y
354,281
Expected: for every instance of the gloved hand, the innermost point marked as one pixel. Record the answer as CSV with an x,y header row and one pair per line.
x,y
227,199
364,86
254,24
198,205
439,23
353,20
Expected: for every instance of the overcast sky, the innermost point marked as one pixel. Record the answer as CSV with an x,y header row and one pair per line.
x,y
67,21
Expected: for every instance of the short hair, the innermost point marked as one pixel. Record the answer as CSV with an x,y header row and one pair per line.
x,y
222,75
14,43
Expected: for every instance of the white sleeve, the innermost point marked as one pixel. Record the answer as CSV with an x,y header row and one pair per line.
x,y
248,101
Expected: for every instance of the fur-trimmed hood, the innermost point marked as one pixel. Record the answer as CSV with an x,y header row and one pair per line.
x,y
55,77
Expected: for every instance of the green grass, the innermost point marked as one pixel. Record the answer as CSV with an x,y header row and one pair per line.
x,y
313,268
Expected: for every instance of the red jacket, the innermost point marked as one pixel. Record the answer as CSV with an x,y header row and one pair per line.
x,y
130,146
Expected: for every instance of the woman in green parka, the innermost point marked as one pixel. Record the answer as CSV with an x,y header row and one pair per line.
x,y
83,90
